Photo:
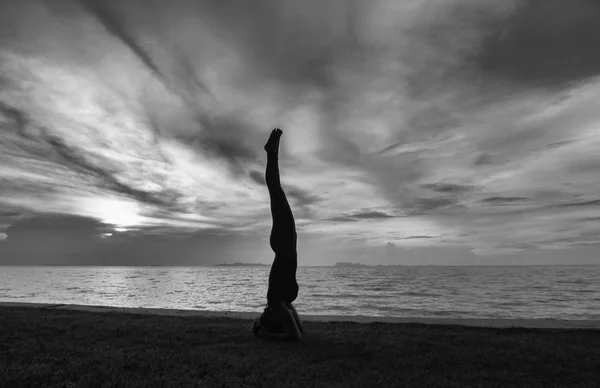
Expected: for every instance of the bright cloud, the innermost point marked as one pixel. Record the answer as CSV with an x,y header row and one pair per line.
x,y
420,123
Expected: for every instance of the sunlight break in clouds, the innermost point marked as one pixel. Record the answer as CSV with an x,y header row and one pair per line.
x,y
417,123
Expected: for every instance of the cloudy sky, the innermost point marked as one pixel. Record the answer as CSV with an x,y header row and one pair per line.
x,y
415,132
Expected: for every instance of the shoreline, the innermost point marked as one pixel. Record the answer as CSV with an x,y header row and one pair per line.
x,y
542,323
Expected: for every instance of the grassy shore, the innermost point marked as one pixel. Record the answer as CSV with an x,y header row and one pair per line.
x,y
61,348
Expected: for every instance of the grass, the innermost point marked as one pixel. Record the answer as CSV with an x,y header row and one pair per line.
x,y
61,348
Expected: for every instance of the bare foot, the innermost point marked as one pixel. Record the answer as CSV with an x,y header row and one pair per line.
x,y
272,146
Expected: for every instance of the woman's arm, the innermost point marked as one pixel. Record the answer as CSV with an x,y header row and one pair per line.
x,y
296,317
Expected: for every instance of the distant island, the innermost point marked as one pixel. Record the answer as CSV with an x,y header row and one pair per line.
x,y
339,264
347,264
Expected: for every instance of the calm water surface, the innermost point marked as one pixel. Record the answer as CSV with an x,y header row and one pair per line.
x,y
562,292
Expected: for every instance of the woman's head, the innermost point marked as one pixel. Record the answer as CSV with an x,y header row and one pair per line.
x,y
271,320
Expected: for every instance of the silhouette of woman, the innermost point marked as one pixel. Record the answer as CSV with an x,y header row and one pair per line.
x,y
280,320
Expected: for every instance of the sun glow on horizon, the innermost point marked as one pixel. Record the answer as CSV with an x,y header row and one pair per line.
x,y
120,213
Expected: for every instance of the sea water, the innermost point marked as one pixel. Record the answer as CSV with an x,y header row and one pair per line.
x,y
560,292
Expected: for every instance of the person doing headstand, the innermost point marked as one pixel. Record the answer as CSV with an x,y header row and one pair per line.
x,y
280,319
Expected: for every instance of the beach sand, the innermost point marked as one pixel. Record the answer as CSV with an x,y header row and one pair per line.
x,y
45,345
496,323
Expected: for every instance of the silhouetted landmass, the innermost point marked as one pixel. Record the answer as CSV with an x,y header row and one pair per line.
x,y
347,264
238,264
60,348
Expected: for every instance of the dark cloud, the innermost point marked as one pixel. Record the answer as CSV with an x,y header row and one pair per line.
x,y
591,219
559,144
504,200
553,195
426,204
229,139
72,240
75,160
57,222
51,239
9,213
483,159
591,237
18,117
342,219
370,215
590,165
448,188
361,215
295,43
257,177
544,43
200,248
40,190
391,147
168,96
8,217
112,18
594,203
302,197
221,136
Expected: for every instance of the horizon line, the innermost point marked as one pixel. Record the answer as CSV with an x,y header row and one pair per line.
x,y
352,266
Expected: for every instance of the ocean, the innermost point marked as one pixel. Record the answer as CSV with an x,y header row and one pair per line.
x,y
559,292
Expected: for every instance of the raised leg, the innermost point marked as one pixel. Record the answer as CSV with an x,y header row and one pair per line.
x,y
283,233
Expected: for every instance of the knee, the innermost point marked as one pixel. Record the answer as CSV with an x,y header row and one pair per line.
x,y
276,244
